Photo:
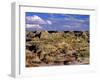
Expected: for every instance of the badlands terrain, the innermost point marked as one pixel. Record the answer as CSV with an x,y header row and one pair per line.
x,y
53,48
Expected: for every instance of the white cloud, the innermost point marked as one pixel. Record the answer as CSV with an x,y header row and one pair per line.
x,y
33,26
49,22
35,19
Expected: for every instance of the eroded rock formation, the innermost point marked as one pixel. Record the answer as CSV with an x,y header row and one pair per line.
x,y
45,48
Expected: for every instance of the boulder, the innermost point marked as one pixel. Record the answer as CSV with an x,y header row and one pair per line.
x,y
28,39
30,34
36,59
84,35
49,58
38,34
44,35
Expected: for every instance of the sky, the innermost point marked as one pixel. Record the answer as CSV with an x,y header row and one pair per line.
x,y
56,22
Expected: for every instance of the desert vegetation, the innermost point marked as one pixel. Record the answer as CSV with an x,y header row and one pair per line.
x,y
51,48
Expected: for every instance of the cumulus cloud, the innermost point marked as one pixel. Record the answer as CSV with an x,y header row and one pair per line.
x,y
34,20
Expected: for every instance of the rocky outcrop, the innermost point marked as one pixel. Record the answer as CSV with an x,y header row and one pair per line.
x,y
45,48
44,35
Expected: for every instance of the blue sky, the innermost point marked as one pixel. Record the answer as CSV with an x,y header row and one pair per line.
x,y
56,22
